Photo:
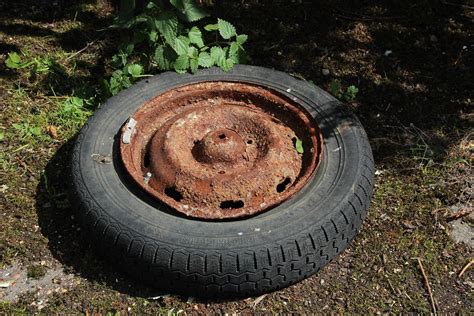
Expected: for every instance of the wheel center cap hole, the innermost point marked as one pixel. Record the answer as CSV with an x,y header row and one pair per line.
x,y
222,145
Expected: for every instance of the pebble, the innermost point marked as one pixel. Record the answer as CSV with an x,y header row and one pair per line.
x,y
325,72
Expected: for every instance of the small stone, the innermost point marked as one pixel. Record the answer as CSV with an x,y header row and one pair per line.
x,y
325,72
3,188
388,52
433,38
6,283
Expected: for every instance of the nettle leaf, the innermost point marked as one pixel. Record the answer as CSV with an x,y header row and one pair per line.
x,y
167,25
205,60
226,30
241,39
195,36
229,64
193,55
135,70
165,57
234,49
150,5
153,36
194,64
237,53
193,52
188,10
181,45
211,27
119,59
181,63
218,55
126,24
129,48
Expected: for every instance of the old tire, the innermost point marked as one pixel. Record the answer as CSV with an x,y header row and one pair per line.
x,y
238,257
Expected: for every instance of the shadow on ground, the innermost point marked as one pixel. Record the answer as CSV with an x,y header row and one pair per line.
x,y
67,242
409,59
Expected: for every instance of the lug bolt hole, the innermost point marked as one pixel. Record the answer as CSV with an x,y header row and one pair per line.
x,y
174,194
283,185
231,204
146,159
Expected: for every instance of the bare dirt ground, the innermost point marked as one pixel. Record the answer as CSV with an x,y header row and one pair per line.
x,y
413,64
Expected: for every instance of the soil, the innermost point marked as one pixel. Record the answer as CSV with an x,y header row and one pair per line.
x,y
412,63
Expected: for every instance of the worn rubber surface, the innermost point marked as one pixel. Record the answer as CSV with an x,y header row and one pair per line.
x,y
223,258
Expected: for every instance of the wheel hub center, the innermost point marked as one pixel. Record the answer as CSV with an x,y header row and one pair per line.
x,y
221,145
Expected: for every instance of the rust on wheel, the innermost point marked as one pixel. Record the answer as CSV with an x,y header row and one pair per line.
x,y
217,150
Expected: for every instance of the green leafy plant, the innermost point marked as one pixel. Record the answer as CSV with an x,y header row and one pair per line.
x,y
123,78
26,130
34,64
348,95
73,109
161,38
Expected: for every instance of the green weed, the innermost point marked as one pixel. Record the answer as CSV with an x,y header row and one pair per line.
x,y
36,65
349,94
25,130
162,39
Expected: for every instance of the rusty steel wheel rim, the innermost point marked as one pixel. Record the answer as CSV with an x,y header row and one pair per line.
x,y
220,150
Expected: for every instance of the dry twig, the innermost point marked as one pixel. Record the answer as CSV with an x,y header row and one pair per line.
x,y
428,287
459,214
466,267
81,50
258,300
464,6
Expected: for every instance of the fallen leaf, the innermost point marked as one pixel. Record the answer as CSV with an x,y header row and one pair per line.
x,y
52,131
